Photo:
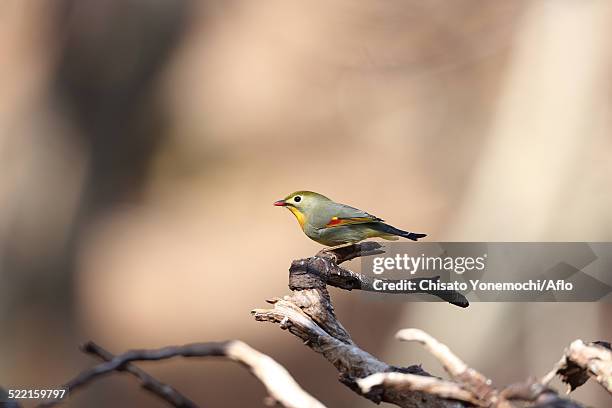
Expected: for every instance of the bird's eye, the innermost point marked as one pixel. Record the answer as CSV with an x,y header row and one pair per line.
x,y
297,199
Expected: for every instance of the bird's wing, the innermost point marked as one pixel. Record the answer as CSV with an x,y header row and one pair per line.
x,y
347,215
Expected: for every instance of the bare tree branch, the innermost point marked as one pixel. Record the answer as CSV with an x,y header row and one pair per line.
x,y
581,361
323,269
150,383
468,384
470,379
411,382
308,314
281,387
338,348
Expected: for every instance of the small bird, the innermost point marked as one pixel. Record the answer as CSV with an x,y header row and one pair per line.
x,y
334,224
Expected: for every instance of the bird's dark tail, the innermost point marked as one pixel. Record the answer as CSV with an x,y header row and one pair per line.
x,y
415,236
382,227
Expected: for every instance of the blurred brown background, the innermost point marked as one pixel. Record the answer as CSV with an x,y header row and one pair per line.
x,y
142,143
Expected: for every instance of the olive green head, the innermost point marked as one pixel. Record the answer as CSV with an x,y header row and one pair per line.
x,y
301,200
301,203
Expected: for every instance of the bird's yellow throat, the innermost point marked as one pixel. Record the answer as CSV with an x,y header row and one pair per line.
x,y
299,215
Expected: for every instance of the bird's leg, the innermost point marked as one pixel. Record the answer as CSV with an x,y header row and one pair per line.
x,y
333,248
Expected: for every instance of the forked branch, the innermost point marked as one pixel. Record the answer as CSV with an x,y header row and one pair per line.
x,y
308,314
282,388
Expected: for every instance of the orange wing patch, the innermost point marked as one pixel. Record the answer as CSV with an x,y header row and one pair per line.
x,y
336,222
333,222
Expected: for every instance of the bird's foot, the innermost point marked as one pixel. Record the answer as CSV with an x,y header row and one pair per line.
x,y
335,247
335,251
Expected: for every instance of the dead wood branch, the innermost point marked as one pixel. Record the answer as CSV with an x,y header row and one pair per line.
x,y
324,269
582,361
309,314
281,387
413,382
150,383
473,381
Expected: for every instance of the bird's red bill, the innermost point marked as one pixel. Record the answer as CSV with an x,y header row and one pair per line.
x,y
280,203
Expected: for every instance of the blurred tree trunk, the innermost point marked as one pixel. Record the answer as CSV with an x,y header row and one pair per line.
x,y
104,92
538,146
